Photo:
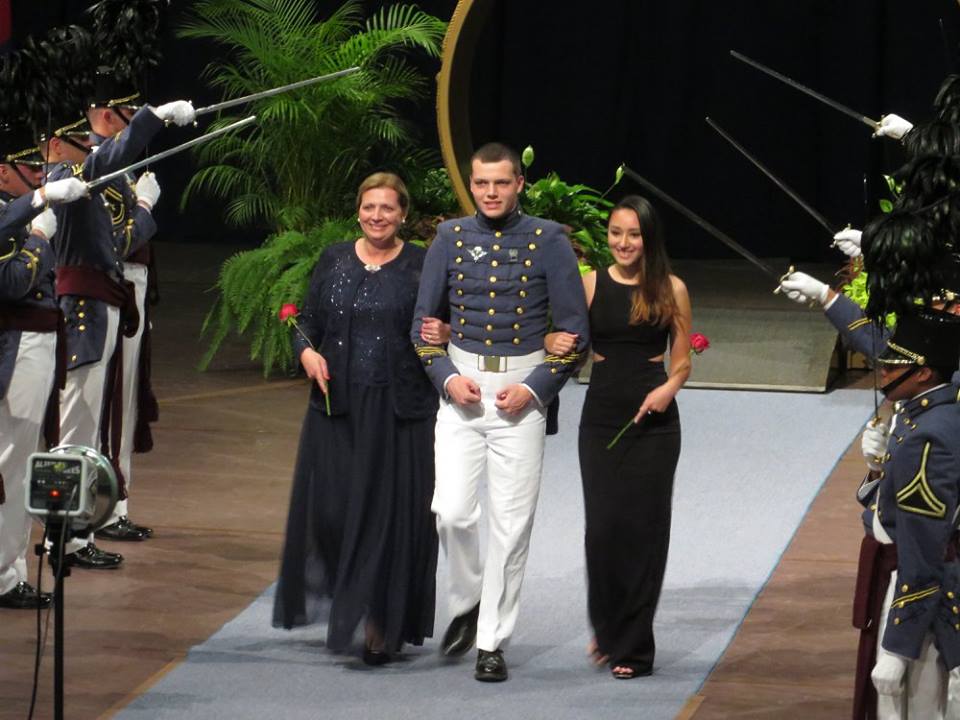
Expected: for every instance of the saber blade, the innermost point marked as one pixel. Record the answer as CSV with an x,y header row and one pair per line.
x,y
104,179
275,91
804,89
699,221
776,181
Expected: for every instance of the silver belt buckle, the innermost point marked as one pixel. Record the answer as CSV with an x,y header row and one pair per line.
x,y
494,363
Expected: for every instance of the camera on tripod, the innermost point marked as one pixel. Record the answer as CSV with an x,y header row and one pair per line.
x,y
73,486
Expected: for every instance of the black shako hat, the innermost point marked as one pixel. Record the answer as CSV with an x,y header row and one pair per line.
x,y
18,144
111,89
924,337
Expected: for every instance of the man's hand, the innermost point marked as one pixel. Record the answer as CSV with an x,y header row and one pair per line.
x,y
513,399
888,673
434,331
315,365
848,242
893,126
560,343
463,391
44,224
148,190
178,112
803,288
873,444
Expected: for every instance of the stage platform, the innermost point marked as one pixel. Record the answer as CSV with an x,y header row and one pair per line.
x,y
216,488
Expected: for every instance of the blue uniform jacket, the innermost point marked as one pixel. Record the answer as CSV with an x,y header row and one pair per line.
x,y
85,235
922,475
325,321
502,282
26,275
855,328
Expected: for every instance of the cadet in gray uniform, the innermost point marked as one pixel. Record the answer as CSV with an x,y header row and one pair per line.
x,y
91,287
130,202
495,275
29,319
919,497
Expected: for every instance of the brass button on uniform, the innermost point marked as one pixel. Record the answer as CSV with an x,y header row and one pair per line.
x,y
516,326
519,311
463,307
488,342
528,262
456,228
458,260
516,341
538,231
924,402
429,362
82,328
950,595
489,327
904,588
459,243
494,263
39,296
896,621
553,370
491,311
80,315
459,276
81,302
523,293
493,278
73,358
460,335
498,234
459,291
492,294
496,246
532,246
463,321
523,278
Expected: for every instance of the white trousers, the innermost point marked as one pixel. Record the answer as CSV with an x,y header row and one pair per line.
x,y
81,403
472,444
21,428
137,274
925,693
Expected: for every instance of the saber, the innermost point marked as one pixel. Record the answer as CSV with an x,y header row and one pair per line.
x,y
776,181
104,179
275,91
804,89
697,220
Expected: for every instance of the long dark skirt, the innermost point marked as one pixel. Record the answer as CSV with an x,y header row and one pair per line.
x,y
361,541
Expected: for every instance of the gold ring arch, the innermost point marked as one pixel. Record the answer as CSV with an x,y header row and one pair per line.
x,y
453,94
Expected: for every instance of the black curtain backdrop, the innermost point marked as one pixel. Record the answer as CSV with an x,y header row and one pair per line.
x,y
591,85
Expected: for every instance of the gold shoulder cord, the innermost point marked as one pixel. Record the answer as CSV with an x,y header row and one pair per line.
x,y
13,250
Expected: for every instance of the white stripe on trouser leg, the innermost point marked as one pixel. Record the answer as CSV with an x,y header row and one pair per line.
x,y
81,403
926,689
21,427
137,274
470,442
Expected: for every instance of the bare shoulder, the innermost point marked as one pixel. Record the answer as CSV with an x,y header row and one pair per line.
x,y
678,285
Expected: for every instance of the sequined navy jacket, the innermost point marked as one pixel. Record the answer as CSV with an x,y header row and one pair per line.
x,y
85,235
921,473
26,275
325,320
502,282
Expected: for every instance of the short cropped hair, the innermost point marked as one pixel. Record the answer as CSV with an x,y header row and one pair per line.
x,y
385,180
496,152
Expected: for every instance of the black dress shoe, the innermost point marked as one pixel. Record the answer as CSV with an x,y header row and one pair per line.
x,y
24,597
491,667
93,558
375,657
461,633
123,529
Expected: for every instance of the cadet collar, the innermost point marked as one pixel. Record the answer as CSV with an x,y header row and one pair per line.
x,y
511,219
939,395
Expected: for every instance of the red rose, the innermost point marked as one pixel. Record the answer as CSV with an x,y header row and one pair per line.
x,y
698,343
287,311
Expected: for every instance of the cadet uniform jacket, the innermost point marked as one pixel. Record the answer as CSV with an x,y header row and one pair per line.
x,y
85,237
503,282
26,276
858,333
922,475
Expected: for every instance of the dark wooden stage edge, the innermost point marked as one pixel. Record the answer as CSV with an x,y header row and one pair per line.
x,y
215,489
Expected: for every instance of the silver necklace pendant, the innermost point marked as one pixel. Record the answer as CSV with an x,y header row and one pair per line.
x,y
370,267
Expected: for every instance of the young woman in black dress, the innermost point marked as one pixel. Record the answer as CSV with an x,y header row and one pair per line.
x,y
637,309
361,543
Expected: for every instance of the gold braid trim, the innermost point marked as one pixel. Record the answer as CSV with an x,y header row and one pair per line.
x,y
12,252
918,359
905,600
858,323
567,359
929,504
33,263
430,350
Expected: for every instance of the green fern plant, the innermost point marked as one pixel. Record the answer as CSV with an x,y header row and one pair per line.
x,y
310,148
254,284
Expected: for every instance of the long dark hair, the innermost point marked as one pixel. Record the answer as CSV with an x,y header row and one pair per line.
x,y
653,300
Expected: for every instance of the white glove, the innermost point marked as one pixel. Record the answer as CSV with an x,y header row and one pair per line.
x,y
45,223
64,191
888,673
873,444
893,126
178,112
848,242
803,288
148,190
